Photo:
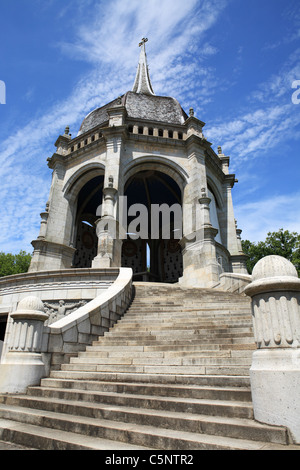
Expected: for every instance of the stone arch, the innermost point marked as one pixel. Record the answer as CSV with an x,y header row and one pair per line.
x,y
84,193
162,164
81,176
215,191
149,185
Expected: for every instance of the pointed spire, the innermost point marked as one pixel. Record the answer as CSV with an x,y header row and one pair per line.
x,y
142,82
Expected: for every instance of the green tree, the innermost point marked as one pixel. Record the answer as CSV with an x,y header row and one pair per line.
x,y
282,243
14,264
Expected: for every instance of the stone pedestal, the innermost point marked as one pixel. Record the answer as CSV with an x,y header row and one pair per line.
x,y
275,370
199,252
109,244
23,364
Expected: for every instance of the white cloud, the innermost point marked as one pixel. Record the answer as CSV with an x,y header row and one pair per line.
x,y
108,39
109,42
258,218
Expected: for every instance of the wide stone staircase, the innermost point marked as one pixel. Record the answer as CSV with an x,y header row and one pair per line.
x,y
172,374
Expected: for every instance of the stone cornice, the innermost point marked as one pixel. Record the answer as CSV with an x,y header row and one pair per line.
x,y
56,159
114,131
231,179
190,120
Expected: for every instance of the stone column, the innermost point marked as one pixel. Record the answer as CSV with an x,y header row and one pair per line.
x,y
207,236
199,252
107,228
198,244
52,248
23,364
275,370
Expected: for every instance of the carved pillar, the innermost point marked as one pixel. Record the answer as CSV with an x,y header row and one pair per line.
x,y
23,364
198,244
199,250
109,244
238,261
275,370
107,228
44,220
52,248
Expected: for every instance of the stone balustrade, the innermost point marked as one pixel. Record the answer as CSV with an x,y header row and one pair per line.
x,y
72,334
34,348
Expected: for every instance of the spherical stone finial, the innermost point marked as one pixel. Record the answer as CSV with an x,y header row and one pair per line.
x,y
31,303
273,266
30,307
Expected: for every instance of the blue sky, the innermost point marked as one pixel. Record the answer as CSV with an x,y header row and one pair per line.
x,y
233,61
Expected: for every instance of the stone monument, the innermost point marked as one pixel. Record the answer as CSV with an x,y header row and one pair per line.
x,y
141,149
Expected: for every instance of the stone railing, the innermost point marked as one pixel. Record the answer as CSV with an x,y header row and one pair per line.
x,y
33,348
233,282
77,330
67,286
275,370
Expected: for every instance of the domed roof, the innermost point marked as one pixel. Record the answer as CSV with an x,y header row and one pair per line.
x,y
138,106
140,103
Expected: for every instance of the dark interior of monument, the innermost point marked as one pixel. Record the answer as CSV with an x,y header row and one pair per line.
x,y
155,260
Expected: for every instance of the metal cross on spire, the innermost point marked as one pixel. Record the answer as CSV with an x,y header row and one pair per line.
x,y
143,41
142,83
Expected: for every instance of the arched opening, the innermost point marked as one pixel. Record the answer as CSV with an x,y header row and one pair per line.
x,y
88,201
154,227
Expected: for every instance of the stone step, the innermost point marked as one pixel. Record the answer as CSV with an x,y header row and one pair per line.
x,y
48,396
127,322
146,378
112,353
188,339
240,428
187,325
152,361
46,438
147,311
175,331
172,374
160,389
171,348
214,330
168,340
53,430
190,305
140,321
209,369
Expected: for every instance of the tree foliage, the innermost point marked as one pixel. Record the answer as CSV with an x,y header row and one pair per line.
x,y
282,243
14,264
